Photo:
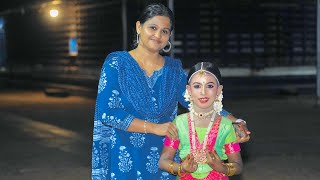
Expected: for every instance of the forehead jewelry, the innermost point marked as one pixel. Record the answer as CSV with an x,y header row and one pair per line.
x,y
201,71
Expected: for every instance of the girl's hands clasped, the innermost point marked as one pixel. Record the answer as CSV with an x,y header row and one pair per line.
x,y
214,161
189,165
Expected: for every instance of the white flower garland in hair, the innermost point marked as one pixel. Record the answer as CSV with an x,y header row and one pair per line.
x,y
217,104
186,96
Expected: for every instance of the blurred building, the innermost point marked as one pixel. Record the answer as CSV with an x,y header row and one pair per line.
x,y
253,40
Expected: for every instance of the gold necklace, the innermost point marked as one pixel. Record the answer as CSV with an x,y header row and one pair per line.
x,y
201,116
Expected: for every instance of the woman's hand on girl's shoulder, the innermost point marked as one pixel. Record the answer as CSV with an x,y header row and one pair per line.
x,y
242,132
166,129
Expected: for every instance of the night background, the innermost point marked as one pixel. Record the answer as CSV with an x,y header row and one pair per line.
x,y
50,67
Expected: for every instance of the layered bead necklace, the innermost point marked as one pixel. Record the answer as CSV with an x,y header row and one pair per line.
x,y
200,154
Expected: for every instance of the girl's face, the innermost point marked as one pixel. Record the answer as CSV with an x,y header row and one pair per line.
x,y
154,33
203,89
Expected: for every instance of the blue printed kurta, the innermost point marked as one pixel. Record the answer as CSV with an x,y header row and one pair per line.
x,y
125,92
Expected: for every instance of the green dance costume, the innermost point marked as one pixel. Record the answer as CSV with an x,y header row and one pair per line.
x,y
221,137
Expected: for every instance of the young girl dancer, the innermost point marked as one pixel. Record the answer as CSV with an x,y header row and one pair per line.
x,y
206,143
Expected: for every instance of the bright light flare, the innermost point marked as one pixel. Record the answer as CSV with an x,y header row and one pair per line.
x,y
54,13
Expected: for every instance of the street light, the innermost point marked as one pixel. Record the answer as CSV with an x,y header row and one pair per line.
x,y
54,13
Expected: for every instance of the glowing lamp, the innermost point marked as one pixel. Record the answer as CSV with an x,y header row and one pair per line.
x,y
54,13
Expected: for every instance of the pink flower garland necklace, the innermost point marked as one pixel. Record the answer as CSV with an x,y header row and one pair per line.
x,y
200,154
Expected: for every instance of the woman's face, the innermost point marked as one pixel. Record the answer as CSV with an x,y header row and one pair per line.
x,y
203,89
154,33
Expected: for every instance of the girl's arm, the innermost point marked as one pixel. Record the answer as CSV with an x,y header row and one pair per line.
x,y
232,150
233,167
166,162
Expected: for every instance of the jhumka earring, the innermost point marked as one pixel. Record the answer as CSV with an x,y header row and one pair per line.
x,y
217,104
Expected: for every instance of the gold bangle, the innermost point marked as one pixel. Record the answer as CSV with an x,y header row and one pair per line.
x,y
171,168
231,169
145,126
228,169
179,170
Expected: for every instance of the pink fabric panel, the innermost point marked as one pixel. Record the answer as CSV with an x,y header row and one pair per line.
x,y
171,143
232,148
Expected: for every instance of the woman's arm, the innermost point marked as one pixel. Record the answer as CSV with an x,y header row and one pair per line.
x,y
110,109
166,162
143,126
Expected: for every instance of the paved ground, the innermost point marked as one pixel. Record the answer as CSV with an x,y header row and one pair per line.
x,y
45,137
50,137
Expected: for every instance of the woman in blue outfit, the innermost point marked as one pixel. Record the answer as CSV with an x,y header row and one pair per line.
x,y
137,100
